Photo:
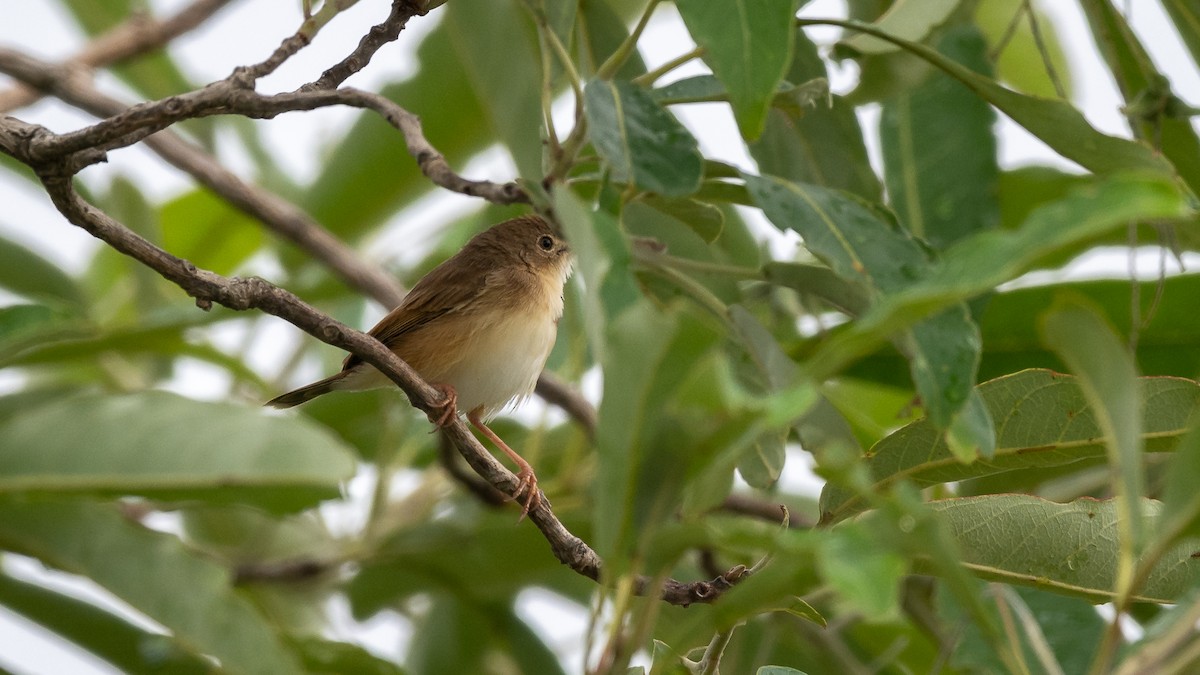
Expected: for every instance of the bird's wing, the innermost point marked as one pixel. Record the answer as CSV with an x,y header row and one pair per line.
x,y
446,289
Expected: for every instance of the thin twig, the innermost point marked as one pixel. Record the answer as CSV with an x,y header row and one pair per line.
x,y
138,35
1036,30
650,77
628,46
275,213
378,36
558,393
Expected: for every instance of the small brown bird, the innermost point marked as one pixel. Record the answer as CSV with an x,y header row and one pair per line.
x,y
479,327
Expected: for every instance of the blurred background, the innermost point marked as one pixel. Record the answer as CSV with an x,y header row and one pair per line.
x,y
372,198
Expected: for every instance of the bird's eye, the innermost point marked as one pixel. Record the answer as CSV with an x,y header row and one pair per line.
x,y
546,242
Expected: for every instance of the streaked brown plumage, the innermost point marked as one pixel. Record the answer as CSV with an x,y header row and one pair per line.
x,y
479,326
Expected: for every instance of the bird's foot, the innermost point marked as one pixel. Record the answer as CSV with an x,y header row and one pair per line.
x,y
448,406
527,493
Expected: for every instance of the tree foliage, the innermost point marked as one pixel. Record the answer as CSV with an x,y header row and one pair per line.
x,y
995,459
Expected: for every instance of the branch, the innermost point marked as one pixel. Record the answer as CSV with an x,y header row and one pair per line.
x,y
773,512
378,36
556,392
139,35
277,214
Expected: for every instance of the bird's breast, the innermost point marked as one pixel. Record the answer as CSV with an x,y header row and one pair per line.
x,y
502,359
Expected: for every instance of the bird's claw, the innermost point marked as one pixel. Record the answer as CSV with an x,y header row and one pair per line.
x,y
449,406
527,493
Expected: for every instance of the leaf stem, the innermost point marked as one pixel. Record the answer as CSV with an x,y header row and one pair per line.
x,y
710,663
563,153
539,16
622,53
654,261
712,268
699,293
649,78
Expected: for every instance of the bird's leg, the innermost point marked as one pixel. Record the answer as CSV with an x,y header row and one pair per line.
x,y
526,480
449,405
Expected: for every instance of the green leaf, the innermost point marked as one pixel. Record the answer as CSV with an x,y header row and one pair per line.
x,y
164,446
1071,628
763,464
856,241
485,33
529,651
1158,117
1024,189
637,344
643,143
338,658
1108,378
972,433
748,44
860,246
481,556
807,612
243,534
110,637
28,274
189,595
1168,340
695,89
452,636
603,261
822,145
155,338
906,19
1181,500
1069,549
943,354
981,262
671,426
208,231
370,173
1056,123
940,192
818,281
1042,420
25,327
775,368
864,574
706,220
650,230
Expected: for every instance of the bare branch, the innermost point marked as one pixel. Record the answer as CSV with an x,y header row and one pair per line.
x,y
556,392
769,511
379,35
139,35
276,213
235,96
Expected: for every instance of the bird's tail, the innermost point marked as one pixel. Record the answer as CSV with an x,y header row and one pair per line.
x,y
307,392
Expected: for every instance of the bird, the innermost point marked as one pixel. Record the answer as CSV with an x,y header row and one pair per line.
x,y
478,327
